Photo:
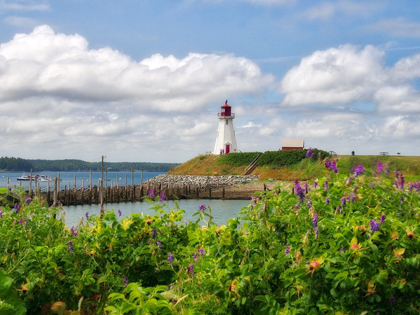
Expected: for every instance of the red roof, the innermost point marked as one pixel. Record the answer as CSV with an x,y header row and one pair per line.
x,y
226,104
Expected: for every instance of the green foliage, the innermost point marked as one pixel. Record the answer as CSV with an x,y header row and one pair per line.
x,y
18,164
346,245
287,158
9,301
238,158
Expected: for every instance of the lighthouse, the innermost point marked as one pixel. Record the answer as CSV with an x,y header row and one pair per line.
x,y
225,139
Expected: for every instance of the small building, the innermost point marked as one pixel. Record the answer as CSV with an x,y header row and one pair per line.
x,y
225,139
292,144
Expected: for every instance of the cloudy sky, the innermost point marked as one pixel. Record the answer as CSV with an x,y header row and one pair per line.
x,y
143,80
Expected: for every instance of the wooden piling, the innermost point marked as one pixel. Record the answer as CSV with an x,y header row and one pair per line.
x,y
55,192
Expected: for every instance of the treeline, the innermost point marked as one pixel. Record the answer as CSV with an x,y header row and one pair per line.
x,y
18,164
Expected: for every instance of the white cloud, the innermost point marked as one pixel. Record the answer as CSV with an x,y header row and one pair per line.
x,y
399,26
327,10
63,66
24,6
336,75
20,21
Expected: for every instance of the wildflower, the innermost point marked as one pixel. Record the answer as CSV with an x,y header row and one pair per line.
x,y
401,199
383,216
326,185
154,232
190,270
171,258
162,197
202,251
125,281
87,215
371,184
70,247
20,221
399,180
305,185
102,212
152,193
342,249
374,226
309,153
327,201
73,231
17,208
195,257
309,203
287,250
327,163
315,185
359,170
368,236
315,220
333,166
380,167
343,201
28,200
355,189
297,206
159,244
254,199
1,213
392,300
351,197
202,208
299,191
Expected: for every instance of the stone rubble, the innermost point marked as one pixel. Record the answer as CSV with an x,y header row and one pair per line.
x,y
202,181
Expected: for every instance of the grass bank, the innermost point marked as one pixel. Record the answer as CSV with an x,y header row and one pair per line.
x,y
213,165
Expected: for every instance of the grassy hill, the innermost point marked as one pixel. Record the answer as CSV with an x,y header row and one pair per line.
x,y
300,169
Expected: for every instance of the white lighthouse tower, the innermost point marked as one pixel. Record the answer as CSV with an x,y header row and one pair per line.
x,y
225,140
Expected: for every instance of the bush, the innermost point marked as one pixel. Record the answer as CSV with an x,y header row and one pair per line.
x,y
287,158
238,158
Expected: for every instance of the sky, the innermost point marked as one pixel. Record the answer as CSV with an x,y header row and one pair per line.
x,y
143,80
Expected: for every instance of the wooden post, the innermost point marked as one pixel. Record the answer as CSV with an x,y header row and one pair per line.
x,y
141,179
8,183
90,180
30,184
133,188
55,191
58,183
83,190
48,193
101,195
210,192
223,193
125,188
118,190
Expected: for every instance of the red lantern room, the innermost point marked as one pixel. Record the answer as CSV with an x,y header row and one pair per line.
x,y
226,110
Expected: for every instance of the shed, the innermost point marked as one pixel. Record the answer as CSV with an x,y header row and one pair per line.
x,y
292,144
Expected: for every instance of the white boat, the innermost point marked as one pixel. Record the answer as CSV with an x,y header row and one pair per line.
x,y
46,178
27,177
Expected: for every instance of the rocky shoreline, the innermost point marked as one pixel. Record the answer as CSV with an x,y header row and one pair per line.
x,y
203,182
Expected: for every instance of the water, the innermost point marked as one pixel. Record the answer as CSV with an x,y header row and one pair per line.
x,y
67,178
221,210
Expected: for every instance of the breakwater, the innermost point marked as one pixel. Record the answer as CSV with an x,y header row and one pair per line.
x,y
162,186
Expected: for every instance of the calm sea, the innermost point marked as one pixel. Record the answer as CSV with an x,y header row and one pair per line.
x,y
221,210
67,178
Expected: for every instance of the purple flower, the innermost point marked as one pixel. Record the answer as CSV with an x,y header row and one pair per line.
x,y
202,251
309,153
73,231
399,180
17,208
159,244
326,185
254,199
119,212
342,249
20,221
315,220
368,236
315,185
154,232
327,201
383,216
309,203
299,190
87,215
152,193
202,208
26,222
287,250
125,281
343,201
355,189
1,213
380,167
374,226
327,163
392,300
351,197
359,170
297,206
190,270
70,247
27,200
170,258
162,197
102,212
195,257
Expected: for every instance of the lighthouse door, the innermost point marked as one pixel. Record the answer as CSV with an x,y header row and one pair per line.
x,y
227,148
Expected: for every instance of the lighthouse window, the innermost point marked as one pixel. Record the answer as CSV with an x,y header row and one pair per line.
x,y
227,122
